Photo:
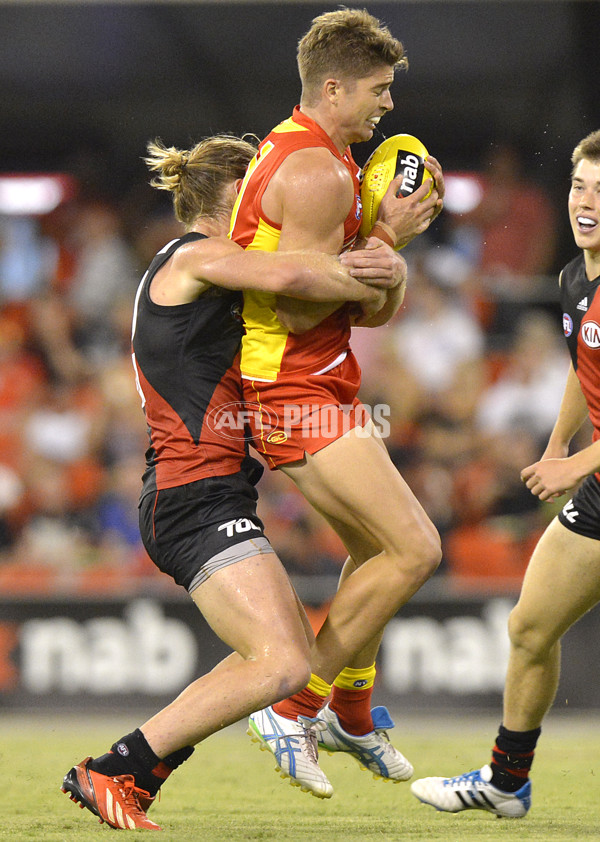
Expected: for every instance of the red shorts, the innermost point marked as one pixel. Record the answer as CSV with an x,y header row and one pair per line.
x,y
300,413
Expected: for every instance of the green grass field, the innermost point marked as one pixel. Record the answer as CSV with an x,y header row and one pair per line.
x,y
229,790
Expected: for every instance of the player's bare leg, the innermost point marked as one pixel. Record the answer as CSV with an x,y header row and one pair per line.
x,y
352,725
394,549
253,608
561,584
353,481
361,547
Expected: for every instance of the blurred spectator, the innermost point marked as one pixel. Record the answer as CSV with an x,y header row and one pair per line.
x,y
509,237
27,259
11,497
527,392
105,275
498,520
515,219
57,534
437,334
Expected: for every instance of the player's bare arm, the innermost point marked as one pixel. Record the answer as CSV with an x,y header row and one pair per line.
x,y
375,315
375,308
220,262
551,478
309,218
557,472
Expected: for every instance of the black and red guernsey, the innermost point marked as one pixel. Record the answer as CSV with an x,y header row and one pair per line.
x,y
186,359
580,303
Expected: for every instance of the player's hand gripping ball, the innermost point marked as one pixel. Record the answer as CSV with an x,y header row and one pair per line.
x,y
401,154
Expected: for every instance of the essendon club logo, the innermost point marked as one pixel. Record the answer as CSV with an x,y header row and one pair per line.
x,y
241,420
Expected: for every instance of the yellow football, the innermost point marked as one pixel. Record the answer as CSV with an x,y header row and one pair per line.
x,y
401,154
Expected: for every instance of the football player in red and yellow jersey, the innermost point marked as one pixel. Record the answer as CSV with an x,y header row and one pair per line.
x,y
302,192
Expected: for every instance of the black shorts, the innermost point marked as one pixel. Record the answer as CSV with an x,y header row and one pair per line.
x,y
582,513
193,530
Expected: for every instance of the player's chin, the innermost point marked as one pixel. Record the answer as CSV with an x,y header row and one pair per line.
x,y
585,241
365,133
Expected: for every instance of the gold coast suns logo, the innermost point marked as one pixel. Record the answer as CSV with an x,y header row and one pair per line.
x,y
277,437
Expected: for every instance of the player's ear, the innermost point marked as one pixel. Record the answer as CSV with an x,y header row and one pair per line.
x,y
237,184
331,88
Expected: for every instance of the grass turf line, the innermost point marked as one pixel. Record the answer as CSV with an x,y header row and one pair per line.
x,y
229,791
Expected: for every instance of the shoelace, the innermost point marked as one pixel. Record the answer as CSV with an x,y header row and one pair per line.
x,y
129,792
464,780
311,729
381,732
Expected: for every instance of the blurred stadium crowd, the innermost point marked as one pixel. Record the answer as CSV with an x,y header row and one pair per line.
x,y
472,370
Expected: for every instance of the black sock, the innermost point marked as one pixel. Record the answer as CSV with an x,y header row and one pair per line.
x,y
512,757
168,764
131,755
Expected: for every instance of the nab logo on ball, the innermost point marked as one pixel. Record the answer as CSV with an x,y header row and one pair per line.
x,y
401,154
412,169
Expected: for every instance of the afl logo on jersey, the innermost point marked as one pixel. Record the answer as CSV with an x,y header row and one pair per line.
x,y
567,324
590,333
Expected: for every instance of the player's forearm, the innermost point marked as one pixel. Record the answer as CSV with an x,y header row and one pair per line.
x,y
309,276
586,461
571,416
322,278
393,301
300,316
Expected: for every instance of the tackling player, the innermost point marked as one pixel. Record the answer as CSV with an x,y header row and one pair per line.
x,y
198,502
562,581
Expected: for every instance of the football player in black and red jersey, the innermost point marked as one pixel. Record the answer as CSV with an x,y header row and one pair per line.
x,y
198,502
562,581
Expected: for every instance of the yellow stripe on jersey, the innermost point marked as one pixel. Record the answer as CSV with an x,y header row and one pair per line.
x,y
266,237
258,158
264,342
265,339
289,126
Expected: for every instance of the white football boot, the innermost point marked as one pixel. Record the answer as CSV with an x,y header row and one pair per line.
x,y
294,746
473,791
373,751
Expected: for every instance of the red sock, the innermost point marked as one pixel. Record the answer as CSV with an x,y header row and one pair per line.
x,y
351,699
353,709
304,703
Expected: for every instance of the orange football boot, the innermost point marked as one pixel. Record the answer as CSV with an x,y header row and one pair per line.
x,y
116,801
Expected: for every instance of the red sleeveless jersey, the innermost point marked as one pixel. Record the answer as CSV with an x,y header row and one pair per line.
x,y
581,324
268,348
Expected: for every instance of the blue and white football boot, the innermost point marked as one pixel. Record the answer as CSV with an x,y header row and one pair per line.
x,y
294,746
473,791
373,751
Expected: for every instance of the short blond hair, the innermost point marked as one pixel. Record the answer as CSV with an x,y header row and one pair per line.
x,y
348,43
588,148
198,178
